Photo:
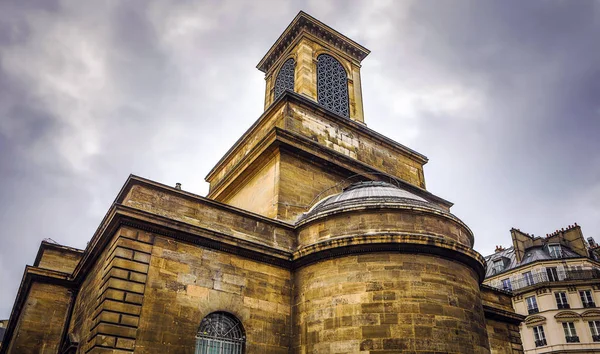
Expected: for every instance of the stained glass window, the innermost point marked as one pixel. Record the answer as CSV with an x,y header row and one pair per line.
x,y
332,85
220,333
285,78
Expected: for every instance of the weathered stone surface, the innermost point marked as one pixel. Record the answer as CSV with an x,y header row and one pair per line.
x,y
42,320
437,309
258,294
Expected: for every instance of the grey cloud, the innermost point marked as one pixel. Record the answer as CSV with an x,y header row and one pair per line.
x,y
501,96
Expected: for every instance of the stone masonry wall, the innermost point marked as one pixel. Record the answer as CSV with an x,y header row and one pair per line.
x,y
187,282
388,303
302,184
42,320
504,338
106,315
354,144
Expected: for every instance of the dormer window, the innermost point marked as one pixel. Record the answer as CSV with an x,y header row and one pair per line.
x,y
498,266
555,251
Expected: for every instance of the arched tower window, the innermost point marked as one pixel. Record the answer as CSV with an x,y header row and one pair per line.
x,y
285,78
332,85
220,333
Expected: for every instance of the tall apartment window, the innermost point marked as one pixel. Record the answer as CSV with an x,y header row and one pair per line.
x,y
528,278
506,284
532,306
561,300
285,78
552,274
498,266
570,333
220,333
332,85
539,336
595,329
555,251
586,298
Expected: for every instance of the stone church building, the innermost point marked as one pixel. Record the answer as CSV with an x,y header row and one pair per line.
x,y
317,236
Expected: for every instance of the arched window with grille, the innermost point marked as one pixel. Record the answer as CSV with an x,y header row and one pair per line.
x,y
332,85
220,333
285,78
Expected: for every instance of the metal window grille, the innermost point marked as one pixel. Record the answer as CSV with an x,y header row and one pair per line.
x,y
332,85
220,333
285,78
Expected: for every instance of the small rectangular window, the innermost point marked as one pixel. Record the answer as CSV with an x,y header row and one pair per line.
x,y
555,251
528,278
561,300
586,298
532,306
570,333
539,336
506,284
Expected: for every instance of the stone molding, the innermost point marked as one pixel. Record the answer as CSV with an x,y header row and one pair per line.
x,y
304,23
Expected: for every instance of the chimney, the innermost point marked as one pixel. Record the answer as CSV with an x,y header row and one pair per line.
x,y
178,186
499,249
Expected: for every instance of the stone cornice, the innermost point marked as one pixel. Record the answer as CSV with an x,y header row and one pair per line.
x,y
390,242
47,245
289,96
495,313
306,23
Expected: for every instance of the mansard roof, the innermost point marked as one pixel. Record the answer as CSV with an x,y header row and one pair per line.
x,y
533,254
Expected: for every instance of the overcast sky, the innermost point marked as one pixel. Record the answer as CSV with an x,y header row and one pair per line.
x,y
503,97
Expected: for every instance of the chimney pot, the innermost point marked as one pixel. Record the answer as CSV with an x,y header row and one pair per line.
x,y
178,186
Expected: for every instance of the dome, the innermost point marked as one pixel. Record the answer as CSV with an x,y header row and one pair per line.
x,y
368,194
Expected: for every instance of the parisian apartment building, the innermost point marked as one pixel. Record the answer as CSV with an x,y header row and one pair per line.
x,y
554,281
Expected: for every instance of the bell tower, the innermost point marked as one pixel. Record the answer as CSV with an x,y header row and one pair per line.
x,y
314,60
311,140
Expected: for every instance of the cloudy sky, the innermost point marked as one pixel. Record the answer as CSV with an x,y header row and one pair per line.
x,y
503,97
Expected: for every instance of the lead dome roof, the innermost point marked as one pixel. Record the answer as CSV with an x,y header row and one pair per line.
x,y
368,193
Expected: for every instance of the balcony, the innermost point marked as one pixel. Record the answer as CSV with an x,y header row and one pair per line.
x,y
563,306
596,338
533,310
572,339
542,277
540,343
589,304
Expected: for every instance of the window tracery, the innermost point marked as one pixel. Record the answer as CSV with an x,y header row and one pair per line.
x,y
220,333
332,85
285,78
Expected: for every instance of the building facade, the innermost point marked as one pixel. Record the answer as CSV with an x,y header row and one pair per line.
x,y
317,236
555,282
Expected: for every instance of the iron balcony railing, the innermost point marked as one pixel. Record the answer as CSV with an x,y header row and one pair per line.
x,y
596,338
542,277
540,343
572,339
533,310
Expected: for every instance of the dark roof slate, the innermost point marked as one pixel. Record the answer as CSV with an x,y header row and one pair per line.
x,y
531,255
